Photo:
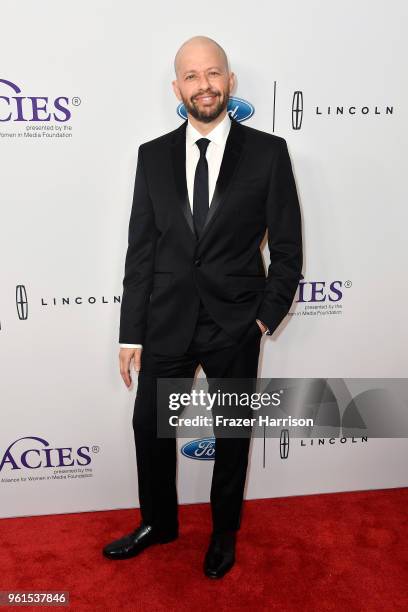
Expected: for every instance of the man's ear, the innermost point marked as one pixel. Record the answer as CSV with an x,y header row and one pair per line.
x,y
233,82
176,89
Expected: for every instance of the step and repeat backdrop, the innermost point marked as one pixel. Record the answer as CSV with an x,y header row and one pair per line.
x,y
81,87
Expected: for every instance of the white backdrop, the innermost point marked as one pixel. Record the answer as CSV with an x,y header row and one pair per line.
x,y
66,188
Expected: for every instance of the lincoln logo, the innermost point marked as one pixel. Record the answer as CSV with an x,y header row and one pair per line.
x,y
284,444
297,110
21,302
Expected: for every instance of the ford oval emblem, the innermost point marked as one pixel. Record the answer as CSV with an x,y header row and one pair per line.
x,y
202,449
239,109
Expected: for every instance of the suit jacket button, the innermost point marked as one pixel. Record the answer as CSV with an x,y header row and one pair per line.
x,y
197,262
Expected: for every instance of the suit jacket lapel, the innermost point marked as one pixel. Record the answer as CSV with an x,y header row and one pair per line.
x,y
178,155
232,154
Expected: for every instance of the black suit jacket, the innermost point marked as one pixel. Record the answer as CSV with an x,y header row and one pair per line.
x,y
167,269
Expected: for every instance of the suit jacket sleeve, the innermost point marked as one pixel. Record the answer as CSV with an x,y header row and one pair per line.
x,y
284,242
139,262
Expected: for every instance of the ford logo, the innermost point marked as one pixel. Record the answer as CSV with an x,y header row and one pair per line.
x,y
203,449
239,109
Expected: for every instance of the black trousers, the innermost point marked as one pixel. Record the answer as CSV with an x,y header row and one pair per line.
x,y
220,356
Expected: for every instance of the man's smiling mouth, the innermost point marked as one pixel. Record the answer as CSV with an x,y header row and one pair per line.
x,y
207,98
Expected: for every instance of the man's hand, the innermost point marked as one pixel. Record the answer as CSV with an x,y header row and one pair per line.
x,y
262,327
125,357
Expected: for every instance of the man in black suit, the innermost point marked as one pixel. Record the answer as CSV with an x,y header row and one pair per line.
x,y
195,290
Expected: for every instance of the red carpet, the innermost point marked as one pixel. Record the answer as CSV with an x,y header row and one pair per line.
x,y
342,551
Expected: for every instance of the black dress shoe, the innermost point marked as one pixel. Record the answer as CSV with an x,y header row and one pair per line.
x,y
133,543
220,556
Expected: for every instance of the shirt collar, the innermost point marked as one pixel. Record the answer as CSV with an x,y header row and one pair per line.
x,y
218,135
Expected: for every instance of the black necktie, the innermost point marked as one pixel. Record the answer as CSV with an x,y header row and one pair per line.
x,y
201,197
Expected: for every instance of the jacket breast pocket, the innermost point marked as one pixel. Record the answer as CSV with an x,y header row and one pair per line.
x,y
251,186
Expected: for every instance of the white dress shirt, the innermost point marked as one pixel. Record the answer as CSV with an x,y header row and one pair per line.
x,y
214,154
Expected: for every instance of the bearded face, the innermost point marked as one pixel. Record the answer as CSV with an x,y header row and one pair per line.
x,y
205,105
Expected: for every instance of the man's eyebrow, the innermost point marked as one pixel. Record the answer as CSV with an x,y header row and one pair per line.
x,y
193,71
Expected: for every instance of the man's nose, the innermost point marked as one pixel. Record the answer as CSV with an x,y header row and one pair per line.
x,y
204,83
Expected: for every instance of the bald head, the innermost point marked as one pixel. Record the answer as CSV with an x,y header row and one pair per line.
x,y
199,46
203,80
